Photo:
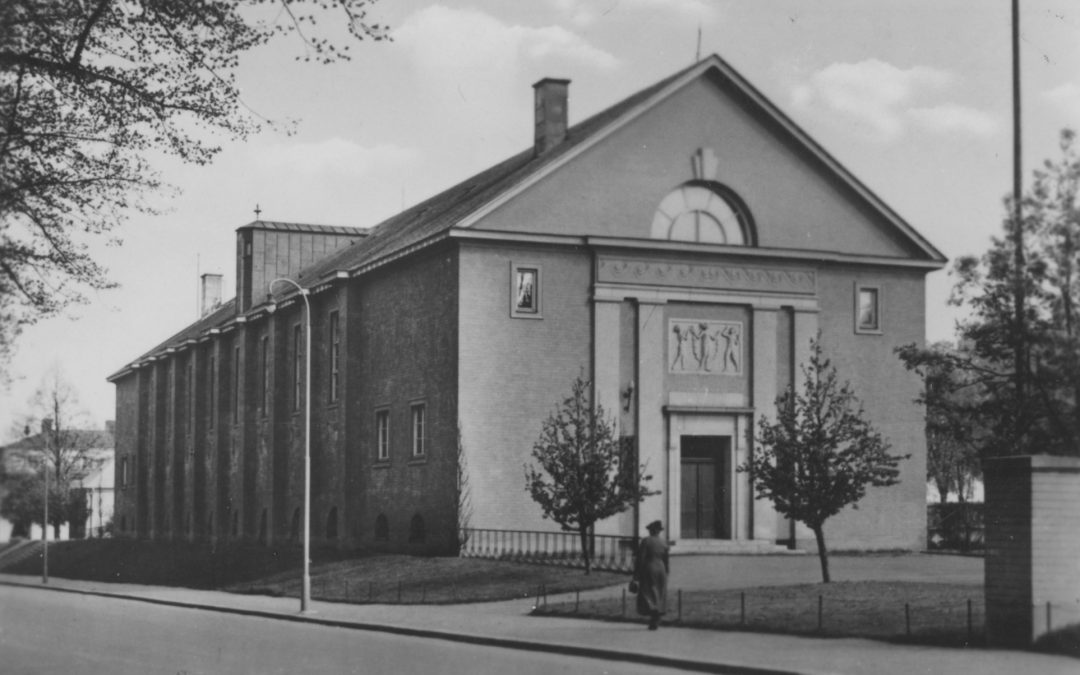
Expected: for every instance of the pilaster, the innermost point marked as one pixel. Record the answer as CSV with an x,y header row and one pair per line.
x,y
764,394
649,398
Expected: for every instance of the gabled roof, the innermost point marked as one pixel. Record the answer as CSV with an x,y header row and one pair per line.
x,y
91,439
464,204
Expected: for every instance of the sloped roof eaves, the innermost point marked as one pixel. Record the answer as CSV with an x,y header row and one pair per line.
x,y
215,319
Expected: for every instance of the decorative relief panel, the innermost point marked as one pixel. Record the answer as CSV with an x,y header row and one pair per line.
x,y
705,275
701,347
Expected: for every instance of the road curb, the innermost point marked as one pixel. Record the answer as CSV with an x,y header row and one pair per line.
x,y
487,641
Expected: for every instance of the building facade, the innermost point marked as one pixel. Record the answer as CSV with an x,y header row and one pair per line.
x,y
681,249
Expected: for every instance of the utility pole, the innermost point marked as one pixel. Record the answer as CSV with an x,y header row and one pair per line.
x,y
1020,347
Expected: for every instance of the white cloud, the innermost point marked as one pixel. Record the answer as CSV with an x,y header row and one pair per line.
x,y
952,118
1066,98
882,102
871,94
466,39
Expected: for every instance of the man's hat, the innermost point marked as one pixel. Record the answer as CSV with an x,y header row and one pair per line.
x,y
655,526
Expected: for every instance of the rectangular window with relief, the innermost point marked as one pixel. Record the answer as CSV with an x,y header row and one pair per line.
x,y
525,291
867,309
419,413
382,434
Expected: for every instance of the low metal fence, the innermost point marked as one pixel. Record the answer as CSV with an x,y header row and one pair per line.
x,y
607,552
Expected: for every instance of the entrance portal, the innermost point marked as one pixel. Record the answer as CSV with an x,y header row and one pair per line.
x,y
705,467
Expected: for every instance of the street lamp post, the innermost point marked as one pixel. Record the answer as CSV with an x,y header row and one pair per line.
x,y
45,524
305,591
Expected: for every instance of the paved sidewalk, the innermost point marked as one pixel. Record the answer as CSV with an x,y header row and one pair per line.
x,y
508,624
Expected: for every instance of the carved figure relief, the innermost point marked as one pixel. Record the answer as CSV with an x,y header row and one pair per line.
x,y
701,347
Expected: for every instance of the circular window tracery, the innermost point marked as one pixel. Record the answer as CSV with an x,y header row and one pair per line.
x,y
703,214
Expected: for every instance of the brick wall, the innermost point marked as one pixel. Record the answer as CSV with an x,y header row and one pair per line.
x,y
402,343
127,438
1032,574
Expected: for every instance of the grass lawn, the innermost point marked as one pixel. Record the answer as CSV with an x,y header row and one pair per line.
x,y
928,613
416,580
336,575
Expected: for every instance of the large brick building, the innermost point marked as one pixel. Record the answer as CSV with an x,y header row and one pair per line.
x,y
681,248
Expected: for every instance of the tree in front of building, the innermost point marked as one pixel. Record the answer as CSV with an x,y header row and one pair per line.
x,y
583,474
952,434
90,90
1039,411
820,454
62,449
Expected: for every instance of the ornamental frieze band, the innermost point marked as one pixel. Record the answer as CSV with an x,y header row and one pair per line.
x,y
715,276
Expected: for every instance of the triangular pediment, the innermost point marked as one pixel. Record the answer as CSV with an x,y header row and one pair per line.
x,y
706,126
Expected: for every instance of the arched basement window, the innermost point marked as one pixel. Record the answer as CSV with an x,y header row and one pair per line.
x,y
382,528
417,532
703,212
331,524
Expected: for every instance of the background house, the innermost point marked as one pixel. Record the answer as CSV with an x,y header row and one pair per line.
x,y
24,457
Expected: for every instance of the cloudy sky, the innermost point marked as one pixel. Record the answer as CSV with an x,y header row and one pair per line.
x,y
912,96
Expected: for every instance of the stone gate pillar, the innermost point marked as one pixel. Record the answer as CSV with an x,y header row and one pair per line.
x,y
1032,543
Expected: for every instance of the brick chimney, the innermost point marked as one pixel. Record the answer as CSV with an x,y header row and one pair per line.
x,y
551,113
210,293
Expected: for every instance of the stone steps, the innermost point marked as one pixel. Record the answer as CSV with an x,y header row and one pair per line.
x,y
19,552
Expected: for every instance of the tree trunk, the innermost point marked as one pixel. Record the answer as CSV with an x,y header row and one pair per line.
x,y
583,532
823,554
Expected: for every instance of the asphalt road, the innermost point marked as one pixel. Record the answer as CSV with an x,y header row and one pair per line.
x,y
47,632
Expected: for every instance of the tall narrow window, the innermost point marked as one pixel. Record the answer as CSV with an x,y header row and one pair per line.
x,y
124,472
335,356
191,394
382,433
211,396
236,385
297,367
418,422
867,309
264,382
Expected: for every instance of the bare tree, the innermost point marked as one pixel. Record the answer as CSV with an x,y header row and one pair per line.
x,y
64,447
462,497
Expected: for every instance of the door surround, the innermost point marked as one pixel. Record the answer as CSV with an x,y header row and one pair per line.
x,y
732,423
